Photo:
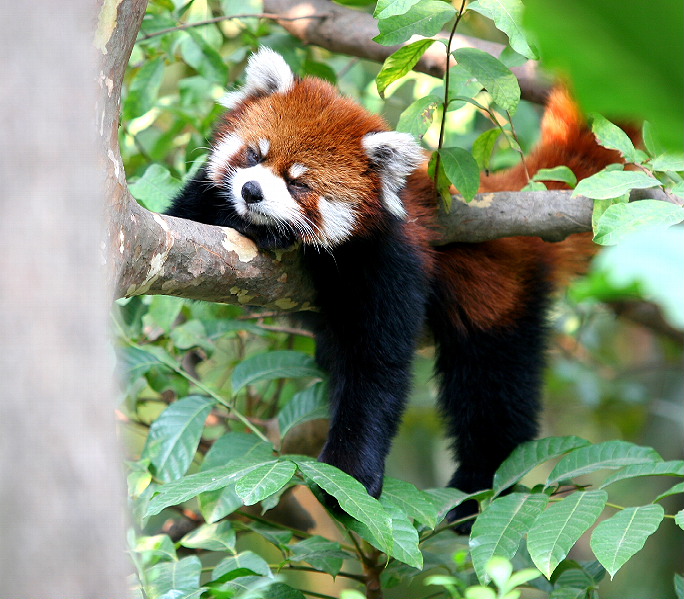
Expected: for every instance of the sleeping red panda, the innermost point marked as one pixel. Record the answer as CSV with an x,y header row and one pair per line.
x,y
293,161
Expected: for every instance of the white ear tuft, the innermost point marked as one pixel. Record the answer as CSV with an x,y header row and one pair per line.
x,y
266,73
396,156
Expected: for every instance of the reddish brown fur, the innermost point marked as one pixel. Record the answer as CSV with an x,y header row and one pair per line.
x,y
488,282
322,129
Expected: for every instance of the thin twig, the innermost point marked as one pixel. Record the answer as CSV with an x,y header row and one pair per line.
x,y
445,105
263,15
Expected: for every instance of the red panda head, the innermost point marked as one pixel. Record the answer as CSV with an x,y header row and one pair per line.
x,y
294,155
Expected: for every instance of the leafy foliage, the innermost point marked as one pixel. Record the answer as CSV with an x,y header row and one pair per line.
x,y
214,396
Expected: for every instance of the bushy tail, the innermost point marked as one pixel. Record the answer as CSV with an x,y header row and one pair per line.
x,y
566,139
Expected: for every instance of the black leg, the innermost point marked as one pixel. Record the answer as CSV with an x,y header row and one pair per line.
x,y
490,387
372,297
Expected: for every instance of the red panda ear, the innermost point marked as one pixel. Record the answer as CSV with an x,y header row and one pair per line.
x,y
395,156
266,73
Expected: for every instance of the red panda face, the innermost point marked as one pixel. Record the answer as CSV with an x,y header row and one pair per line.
x,y
295,156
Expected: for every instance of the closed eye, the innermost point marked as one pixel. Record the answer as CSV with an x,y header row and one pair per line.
x,y
253,157
298,185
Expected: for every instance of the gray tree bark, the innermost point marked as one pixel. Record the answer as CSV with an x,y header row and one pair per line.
x,y
62,520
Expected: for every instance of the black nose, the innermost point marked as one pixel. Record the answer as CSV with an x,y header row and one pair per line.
x,y
251,192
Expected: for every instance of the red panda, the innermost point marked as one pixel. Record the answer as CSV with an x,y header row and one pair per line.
x,y
293,161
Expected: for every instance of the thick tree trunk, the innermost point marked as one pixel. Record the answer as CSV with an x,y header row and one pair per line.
x,y
61,485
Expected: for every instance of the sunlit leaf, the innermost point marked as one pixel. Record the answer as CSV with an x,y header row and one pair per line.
x,y
352,497
499,529
558,528
183,575
611,184
175,435
611,136
528,455
264,481
621,220
274,365
617,539
671,468
462,170
306,405
507,16
415,503
426,17
218,536
401,62
181,490
495,77
607,455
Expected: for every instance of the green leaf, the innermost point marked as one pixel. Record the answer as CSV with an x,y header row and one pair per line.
x,y
558,173
175,435
679,519
417,118
679,585
274,365
143,89
671,468
621,220
462,170
499,529
617,539
203,57
611,136
611,184
483,147
495,77
310,404
183,575
405,547
156,188
528,455
401,62
242,564
581,575
391,8
611,45
667,162
607,455
446,499
135,362
322,554
215,505
163,311
417,504
264,481
507,16
176,492
426,18
673,490
157,546
191,334
352,497
558,528
640,264
218,536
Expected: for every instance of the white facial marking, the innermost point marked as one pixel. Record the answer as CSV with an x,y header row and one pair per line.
x,y
297,170
266,73
397,155
221,155
338,220
277,203
264,146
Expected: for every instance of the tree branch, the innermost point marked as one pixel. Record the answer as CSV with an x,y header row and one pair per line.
x,y
156,254
351,32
